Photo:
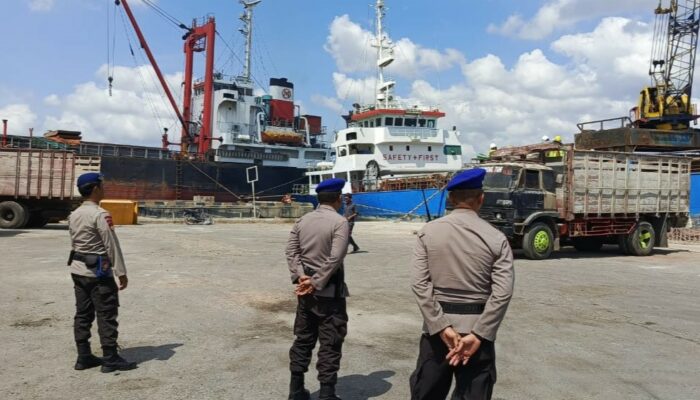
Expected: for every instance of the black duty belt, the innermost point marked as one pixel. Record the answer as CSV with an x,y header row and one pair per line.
x,y
462,308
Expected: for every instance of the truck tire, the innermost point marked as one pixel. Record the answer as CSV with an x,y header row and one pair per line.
x,y
641,241
13,215
587,244
622,243
538,241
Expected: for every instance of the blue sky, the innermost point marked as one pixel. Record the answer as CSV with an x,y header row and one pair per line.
x,y
52,47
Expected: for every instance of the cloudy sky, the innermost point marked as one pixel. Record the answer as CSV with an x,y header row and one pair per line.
x,y
504,71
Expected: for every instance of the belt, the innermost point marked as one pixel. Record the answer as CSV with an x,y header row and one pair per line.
x,y
462,308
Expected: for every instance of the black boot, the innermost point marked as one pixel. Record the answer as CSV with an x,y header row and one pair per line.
x,y
113,362
327,392
85,358
296,388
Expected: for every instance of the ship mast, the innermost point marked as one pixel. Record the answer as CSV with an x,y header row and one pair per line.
x,y
247,31
385,56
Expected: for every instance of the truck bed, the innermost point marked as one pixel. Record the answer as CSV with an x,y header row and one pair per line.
x,y
42,174
624,184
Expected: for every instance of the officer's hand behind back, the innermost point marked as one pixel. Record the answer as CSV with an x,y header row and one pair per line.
x,y
123,282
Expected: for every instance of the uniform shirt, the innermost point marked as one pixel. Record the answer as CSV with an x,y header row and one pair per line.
x,y
350,210
319,241
92,232
461,258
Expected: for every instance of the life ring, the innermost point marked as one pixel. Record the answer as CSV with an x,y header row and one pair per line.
x,y
287,93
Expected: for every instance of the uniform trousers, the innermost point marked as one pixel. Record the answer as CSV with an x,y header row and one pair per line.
x,y
351,241
324,319
433,375
96,296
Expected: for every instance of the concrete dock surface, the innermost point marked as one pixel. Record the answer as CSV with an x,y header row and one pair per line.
x,y
209,309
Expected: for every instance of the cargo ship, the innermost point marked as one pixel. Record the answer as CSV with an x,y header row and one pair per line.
x,y
226,129
394,157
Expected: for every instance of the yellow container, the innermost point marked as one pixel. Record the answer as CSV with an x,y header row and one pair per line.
x,y
124,212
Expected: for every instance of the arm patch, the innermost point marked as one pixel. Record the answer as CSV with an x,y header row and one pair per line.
x,y
108,218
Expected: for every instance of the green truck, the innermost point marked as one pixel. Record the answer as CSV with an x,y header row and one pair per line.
x,y
546,196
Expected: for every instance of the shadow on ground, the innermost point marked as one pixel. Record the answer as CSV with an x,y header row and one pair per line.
x,y
363,387
142,354
10,232
607,251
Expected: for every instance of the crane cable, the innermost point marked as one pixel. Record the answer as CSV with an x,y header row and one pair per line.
x,y
111,31
169,17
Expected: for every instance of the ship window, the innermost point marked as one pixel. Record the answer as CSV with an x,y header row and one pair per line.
x,y
342,151
398,122
430,148
391,148
315,179
410,122
532,179
366,124
452,150
408,148
371,124
421,123
431,123
351,136
378,122
229,96
389,121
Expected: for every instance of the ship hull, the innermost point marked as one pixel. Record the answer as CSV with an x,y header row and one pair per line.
x,y
163,179
424,203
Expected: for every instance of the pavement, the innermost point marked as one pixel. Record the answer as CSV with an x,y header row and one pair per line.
x,y
209,309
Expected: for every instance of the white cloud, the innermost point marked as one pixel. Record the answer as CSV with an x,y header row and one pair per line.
x,y
556,15
19,118
350,46
52,100
128,116
330,103
41,5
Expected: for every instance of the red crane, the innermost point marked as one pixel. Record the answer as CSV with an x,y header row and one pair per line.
x,y
195,137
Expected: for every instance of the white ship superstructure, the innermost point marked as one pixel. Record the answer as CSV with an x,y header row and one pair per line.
x,y
387,139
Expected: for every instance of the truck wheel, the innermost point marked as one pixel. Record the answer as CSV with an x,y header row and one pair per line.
x,y
641,241
13,215
587,244
538,241
622,243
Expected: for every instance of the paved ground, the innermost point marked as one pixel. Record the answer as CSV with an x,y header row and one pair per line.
x,y
208,315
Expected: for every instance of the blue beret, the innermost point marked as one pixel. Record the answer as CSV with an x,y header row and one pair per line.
x,y
89,178
331,185
469,179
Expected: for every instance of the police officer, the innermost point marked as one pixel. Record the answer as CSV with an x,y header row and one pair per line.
x,y
95,260
350,213
315,251
463,282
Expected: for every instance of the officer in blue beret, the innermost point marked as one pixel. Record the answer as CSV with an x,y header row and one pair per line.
x,y
96,262
463,281
315,252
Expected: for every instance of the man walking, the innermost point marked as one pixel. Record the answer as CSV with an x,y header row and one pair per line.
x,y
315,251
350,213
95,259
463,281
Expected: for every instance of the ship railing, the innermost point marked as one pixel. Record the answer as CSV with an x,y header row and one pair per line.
x,y
413,132
602,124
123,151
300,188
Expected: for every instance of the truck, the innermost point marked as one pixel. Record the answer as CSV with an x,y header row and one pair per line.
x,y
546,196
38,186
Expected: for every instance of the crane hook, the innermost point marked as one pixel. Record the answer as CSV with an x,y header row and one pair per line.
x,y
110,79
